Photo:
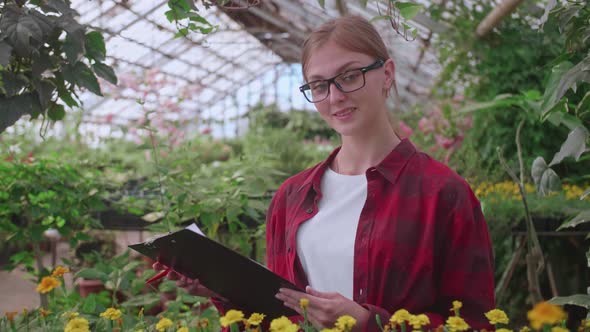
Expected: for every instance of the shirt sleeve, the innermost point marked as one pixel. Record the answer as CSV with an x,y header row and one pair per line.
x,y
465,262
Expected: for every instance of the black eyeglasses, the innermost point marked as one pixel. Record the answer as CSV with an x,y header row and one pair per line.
x,y
348,81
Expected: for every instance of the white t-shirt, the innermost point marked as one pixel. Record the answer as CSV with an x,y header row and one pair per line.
x,y
325,243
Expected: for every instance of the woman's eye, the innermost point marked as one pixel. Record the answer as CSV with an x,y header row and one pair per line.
x,y
350,77
319,87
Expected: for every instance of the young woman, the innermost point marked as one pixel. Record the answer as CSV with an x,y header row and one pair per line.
x,y
378,226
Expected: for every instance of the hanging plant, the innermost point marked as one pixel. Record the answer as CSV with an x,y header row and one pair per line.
x,y
46,56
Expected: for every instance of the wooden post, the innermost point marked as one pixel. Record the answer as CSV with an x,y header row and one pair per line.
x,y
494,17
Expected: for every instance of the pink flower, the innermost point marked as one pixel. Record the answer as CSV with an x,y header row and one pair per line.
x,y
425,125
405,130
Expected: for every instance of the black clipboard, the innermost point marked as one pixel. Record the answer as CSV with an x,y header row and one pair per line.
x,y
246,283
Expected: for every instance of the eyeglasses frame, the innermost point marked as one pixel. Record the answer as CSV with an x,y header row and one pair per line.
x,y
377,64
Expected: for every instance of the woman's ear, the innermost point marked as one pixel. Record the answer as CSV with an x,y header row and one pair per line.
x,y
389,67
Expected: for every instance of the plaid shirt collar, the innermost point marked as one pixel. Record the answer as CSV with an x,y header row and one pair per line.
x,y
390,167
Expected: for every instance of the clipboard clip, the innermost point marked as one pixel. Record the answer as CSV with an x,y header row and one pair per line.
x,y
158,276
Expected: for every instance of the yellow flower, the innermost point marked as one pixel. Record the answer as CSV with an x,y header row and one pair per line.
x,y
59,271
455,323
418,321
44,312
77,325
545,313
345,323
163,324
497,316
283,324
503,330
456,306
203,323
232,316
559,329
255,319
525,329
303,303
70,315
399,317
47,285
111,313
330,330
182,329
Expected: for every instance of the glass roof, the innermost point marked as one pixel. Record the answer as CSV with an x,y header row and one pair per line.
x,y
251,57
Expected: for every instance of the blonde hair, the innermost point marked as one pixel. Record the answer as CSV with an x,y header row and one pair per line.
x,y
353,33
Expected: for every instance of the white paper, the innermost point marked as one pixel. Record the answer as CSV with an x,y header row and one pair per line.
x,y
193,227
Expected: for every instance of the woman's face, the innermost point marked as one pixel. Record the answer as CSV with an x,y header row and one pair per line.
x,y
353,113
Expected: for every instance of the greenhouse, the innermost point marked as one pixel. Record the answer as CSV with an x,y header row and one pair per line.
x,y
294,165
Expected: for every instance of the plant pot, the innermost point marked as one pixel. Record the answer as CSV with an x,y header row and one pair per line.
x,y
89,286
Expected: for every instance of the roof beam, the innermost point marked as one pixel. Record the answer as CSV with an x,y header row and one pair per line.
x,y
495,16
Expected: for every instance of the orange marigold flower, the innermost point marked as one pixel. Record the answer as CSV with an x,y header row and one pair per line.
x,y
545,313
10,315
47,284
59,271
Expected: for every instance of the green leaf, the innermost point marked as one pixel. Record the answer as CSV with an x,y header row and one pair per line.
x,y
588,257
41,63
364,3
15,107
566,119
586,193
574,146
550,95
73,49
13,83
580,300
380,18
5,53
56,112
95,47
143,300
21,30
582,217
91,273
584,104
545,178
74,45
322,3
59,5
82,76
64,94
550,5
569,80
502,100
45,90
105,72
408,10
89,304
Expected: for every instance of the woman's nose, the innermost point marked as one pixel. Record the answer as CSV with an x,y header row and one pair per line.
x,y
335,93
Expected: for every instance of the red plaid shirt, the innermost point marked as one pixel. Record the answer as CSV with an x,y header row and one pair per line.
x,y
421,240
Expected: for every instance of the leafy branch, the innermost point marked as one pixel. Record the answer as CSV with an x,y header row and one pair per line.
x,y
40,69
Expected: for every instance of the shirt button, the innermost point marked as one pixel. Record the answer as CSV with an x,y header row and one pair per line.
x,y
289,249
310,210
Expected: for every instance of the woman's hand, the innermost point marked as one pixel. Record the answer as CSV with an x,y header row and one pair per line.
x,y
193,286
324,308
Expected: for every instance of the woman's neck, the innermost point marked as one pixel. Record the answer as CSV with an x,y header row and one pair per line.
x,y
358,153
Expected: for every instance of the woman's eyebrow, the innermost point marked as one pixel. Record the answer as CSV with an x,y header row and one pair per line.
x,y
340,70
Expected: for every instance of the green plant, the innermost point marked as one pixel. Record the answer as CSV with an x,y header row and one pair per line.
x,y
512,59
39,195
40,70
566,101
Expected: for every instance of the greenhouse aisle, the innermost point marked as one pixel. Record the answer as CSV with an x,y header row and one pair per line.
x,y
18,292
